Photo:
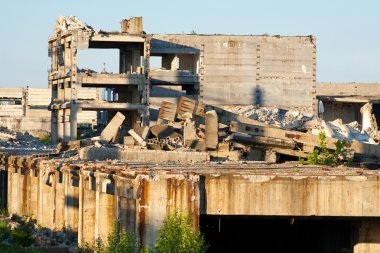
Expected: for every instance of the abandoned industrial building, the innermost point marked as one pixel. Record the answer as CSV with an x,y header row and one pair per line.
x,y
217,132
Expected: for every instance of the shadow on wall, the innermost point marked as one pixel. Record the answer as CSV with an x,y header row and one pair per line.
x,y
258,96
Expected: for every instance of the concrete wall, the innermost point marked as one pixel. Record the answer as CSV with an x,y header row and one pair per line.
x,y
32,113
348,89
88,198
348,112
265,70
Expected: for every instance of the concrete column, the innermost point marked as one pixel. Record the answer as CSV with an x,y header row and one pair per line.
x,y
368,237
46,200
67,125
60,125
71,202
73,123
105,209
54,127
87,210
169,62
59,217
211,122
33,194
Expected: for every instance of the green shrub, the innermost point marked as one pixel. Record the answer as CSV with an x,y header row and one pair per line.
x,y
323,156
120,241
22,236
178,236
5,231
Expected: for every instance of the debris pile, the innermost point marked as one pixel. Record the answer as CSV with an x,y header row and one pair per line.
x,y
255,134
348,132
286,119
70,23
301,120
11,139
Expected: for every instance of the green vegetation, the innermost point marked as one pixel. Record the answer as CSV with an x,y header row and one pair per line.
x,y
193,32
18,237
176,236
86,131
323,156
45,139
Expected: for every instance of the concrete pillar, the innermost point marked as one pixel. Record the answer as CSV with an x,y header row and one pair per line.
x,y
54,127
60,126
67,125
130,59
33,194
105,209
87,210
211,122
126,206
71,214
46,200
368,237
169,62
74,123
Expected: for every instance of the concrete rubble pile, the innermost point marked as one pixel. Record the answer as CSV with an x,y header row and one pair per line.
x,y
286,119
198,132
301,120
70,23
13,140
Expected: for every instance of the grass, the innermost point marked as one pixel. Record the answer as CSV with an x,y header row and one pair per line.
x,y
45,139
17,249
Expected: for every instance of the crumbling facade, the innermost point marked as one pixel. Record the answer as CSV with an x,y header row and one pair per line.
x,y
129,87
214,69
210,133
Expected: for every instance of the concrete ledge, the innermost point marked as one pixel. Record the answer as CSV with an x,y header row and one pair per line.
x,y
157,156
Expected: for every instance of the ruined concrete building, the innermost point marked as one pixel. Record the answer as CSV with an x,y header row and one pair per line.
x,y
217,132
215,69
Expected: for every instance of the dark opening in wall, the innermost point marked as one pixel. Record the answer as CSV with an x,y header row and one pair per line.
x,y
376,111
278,234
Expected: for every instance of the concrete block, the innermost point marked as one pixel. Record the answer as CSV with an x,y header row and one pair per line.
x,y
211,129
186,107
189,131
198,145
163,131
129,142
225,155
143,131
137,137
167,111
110,132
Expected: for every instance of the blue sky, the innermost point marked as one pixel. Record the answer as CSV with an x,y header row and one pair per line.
x,y
348,35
